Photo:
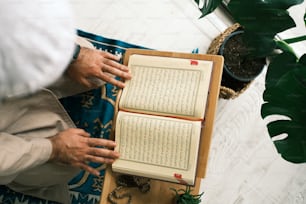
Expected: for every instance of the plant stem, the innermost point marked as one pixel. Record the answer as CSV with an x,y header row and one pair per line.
x,y
296,39
284,46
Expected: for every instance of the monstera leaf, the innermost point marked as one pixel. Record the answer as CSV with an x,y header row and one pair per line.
x,y
285,95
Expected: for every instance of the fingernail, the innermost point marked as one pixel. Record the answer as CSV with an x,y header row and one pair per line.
x,y
122,85
127,75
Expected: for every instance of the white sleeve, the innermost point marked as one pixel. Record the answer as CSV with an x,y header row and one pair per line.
x,y
18,154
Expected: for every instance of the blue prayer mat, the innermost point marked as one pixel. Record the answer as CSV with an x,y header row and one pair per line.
x,y
92,111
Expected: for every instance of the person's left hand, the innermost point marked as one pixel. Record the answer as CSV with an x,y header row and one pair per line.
x,y
75,147
92,63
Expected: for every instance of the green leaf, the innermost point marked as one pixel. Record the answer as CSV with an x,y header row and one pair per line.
x,y
283,4
259,45
280,107
279,66
302,60
208,7
285,95
288,89
260,17
186,197
278,127
305,18
292,148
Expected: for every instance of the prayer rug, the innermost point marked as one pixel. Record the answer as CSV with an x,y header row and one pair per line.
x,y
92,111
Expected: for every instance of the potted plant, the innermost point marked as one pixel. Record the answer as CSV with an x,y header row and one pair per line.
x,y
184,196
240,67
285,93
258,22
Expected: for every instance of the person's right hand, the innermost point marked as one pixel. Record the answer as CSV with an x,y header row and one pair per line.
x,y
74,147
97,64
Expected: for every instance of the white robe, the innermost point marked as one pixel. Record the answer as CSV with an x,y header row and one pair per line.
x,y
37,42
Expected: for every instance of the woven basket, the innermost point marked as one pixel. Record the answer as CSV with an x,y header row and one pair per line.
x,y
226,92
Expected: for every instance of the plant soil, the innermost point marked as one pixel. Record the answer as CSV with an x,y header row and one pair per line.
x,y
235,59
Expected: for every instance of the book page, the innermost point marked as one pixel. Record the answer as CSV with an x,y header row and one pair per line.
x,y
167,86
153,144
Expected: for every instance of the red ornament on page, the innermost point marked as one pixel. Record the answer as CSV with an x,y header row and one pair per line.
x,y
193,62
179,178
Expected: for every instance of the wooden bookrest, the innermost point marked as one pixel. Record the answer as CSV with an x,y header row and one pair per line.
x,y
160,191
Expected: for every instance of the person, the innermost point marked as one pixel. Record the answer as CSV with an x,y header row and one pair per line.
x,y
41,149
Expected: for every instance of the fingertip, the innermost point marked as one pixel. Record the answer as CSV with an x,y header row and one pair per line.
x,y
94,172
124,68
112,143
120,84
109,161
128,75
97,173
117,154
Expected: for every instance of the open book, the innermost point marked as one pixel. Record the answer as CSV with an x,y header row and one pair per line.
x,y
160,117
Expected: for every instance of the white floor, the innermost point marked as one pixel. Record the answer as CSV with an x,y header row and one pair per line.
x,y
244,166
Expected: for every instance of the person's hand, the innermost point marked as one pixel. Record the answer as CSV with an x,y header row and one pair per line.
x,y
93,63
74,147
